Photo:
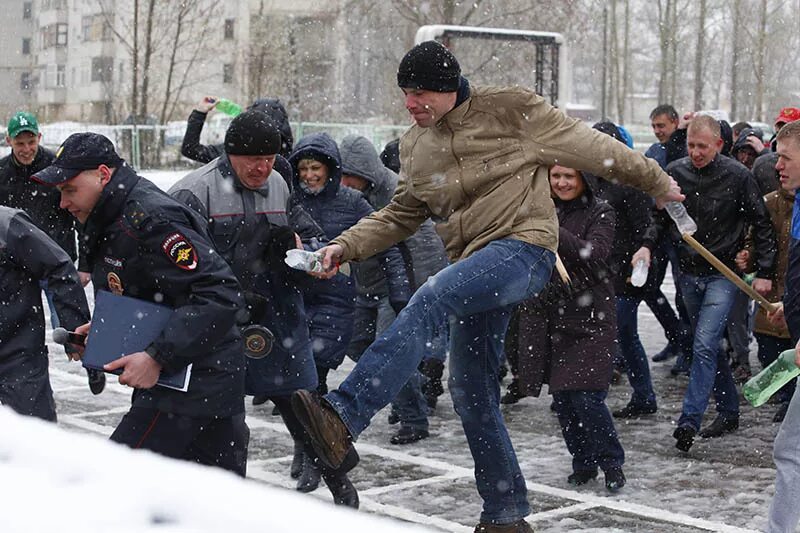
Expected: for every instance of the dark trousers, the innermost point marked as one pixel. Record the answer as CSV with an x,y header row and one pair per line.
x,y
208,441
588,430
677,329
298,433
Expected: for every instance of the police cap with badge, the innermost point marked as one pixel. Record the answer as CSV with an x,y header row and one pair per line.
x,y
80,152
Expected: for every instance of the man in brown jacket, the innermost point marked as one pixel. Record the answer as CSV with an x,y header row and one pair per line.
x,y
476,161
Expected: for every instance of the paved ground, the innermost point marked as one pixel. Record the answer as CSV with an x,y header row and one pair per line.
x,y
721,485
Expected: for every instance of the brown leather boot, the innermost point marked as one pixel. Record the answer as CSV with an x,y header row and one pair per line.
x,y
329,435
520,526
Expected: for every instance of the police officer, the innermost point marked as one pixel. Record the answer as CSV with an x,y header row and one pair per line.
x,y
28,256
17,190
247,204
143,244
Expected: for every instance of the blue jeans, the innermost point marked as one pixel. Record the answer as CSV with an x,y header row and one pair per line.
x,y
784,513
476,295
708,300
588,430
633,353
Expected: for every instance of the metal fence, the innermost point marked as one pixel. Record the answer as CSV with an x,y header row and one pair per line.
x,y
159,146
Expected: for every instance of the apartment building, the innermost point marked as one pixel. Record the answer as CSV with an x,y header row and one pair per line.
x,y
73,60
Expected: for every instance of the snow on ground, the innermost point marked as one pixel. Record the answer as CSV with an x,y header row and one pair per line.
x,y
720,485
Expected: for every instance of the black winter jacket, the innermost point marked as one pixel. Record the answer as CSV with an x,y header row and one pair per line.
x,y
151,247
28,255
724,201
19,191
633,229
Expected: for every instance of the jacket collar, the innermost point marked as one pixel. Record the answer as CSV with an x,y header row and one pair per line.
x,y
461,107
111,202
28,170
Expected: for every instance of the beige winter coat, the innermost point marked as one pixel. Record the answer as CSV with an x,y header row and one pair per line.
x,y
481,173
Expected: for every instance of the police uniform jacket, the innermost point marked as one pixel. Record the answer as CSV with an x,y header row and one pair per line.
x,y
145,245
243,223
28,255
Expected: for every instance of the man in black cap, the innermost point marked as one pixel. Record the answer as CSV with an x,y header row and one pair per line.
x,y
142,243
476,160
247,205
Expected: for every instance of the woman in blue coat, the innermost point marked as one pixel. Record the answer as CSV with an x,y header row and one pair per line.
x,y
330,304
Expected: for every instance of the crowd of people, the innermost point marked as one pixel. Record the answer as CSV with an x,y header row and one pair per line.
x,y
497,232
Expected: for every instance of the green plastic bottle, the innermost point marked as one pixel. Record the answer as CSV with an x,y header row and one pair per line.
x,y
767,382
228,107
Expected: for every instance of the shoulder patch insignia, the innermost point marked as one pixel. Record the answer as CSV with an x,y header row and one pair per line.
x,y
180,251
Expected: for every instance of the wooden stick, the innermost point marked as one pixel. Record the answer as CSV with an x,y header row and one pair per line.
x,y
730,274
562,270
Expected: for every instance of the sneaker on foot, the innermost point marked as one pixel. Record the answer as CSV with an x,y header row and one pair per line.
x,y
684,435
581,477
329,435
719,427
615,479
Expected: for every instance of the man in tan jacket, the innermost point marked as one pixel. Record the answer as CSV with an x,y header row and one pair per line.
x,y
476,161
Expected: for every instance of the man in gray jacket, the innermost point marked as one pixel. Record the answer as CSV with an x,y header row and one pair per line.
x,y
28,256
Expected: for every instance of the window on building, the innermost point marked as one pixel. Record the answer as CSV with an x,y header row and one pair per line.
x,y
102,68
54,35
25,81
96,28
229,24
227,73
61,76
26,45
27,10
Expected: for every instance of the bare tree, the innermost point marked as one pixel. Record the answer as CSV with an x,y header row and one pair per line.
x,y
700,52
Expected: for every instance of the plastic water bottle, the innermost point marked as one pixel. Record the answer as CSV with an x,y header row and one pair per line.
x,y
639,275
677,212
767,382
228,107
303,260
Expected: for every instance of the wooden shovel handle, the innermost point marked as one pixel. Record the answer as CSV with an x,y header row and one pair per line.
x,y
730,274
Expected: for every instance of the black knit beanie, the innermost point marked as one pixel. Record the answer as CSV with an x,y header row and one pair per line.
x,y
429,66
252,133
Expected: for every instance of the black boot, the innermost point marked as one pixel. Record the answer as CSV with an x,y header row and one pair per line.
x,y
322,376
260,399
719,427
513,394
97,380
297,460
343,491
581,477
615,479
432,388
407,435
309,478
